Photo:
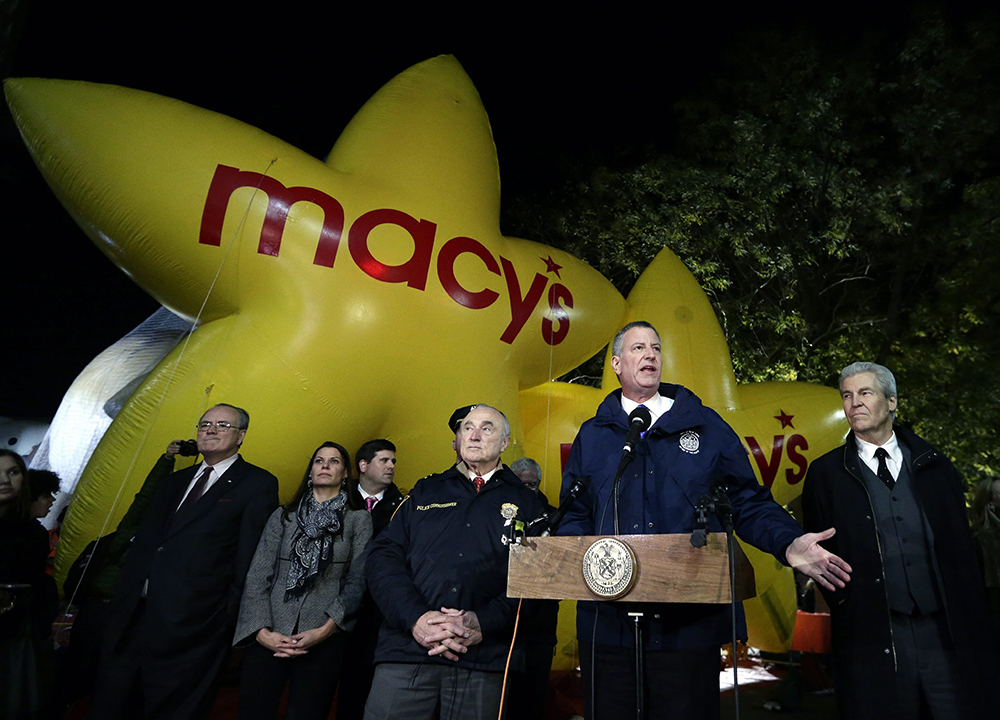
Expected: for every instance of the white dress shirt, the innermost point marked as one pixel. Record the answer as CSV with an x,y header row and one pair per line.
x,y
365,494
217,472
866,451
657,405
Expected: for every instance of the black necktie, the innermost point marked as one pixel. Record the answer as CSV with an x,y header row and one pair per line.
x,y
883,469
192,497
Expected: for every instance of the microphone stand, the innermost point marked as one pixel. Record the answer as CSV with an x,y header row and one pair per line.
x,y
699,538
718,503
546,523
724,510
636,615
639,421
615,486
640,667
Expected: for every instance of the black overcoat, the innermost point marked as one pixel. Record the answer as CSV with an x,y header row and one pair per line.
x,y
834,495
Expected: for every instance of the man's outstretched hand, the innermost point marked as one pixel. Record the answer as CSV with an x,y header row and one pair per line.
x,y
811,559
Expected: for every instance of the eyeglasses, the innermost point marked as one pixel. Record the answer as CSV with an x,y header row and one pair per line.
x,y
220,426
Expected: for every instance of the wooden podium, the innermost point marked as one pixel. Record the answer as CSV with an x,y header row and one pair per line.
x,y
668,569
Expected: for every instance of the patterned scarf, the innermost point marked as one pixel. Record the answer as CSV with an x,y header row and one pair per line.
x,y
318,523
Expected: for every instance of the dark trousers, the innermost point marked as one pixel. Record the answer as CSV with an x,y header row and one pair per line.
x,y
311,681
134,683
358,673
679,684
78,662
355,685
926,677
528,687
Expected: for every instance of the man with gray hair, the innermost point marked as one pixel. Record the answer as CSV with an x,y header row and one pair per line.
x,y
438,573
172,617
529,471
910,630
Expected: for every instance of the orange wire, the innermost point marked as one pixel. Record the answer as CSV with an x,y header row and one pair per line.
x,y
506,669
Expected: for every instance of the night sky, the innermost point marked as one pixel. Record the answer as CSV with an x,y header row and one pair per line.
x,y
587,88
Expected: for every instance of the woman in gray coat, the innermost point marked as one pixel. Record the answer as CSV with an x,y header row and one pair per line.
x,y
304,586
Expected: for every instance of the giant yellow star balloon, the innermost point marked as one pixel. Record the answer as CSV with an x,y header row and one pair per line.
x,y
370,295
367,296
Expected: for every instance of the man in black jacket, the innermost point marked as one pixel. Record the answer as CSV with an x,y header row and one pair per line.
x,y
171,620
375,491
909,630
439,574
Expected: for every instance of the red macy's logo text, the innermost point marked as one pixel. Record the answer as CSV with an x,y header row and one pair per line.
x,y
794,446
413,272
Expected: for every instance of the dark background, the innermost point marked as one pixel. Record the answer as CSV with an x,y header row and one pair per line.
x,y
559,86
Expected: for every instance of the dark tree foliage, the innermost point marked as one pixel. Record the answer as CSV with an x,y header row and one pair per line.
x,y
837,203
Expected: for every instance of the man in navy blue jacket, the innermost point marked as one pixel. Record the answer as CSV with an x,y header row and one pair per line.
x,y
687,451
438,573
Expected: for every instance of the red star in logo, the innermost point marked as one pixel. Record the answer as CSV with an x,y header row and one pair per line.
x,y
786,420
551,266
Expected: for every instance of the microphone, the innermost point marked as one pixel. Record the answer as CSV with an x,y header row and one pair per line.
x,y
699,538
717,503
638,423
638,420
578,486
723,507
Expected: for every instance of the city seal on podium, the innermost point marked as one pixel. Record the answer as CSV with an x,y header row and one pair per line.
x,y
609,568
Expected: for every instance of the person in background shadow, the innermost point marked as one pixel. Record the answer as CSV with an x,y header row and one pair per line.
x,y
91,582
536,633
376,491
985,518
25,595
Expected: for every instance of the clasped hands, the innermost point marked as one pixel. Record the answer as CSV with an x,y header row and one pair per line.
x,y
448,632
286,646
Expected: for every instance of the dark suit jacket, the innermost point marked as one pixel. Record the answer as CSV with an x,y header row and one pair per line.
x,y
195,571
384,508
